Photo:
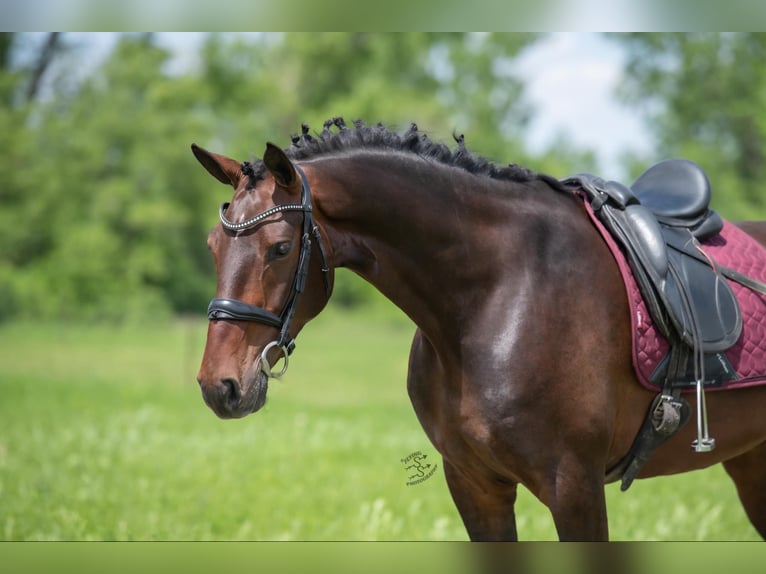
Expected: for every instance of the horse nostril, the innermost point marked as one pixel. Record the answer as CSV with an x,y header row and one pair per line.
x,y
230,391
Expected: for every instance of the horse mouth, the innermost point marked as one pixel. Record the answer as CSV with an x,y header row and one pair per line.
x,y
253,398
241,401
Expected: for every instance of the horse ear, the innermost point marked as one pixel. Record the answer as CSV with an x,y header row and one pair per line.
x,y
280,166
224,169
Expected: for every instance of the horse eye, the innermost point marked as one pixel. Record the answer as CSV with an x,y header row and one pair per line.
x,y
279,250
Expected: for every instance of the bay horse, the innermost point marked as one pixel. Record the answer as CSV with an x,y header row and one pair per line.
x,y
520,368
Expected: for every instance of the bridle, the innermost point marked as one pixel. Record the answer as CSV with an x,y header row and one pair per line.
x,y
235,310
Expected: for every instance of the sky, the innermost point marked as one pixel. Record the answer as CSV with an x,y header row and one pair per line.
x,y
571,79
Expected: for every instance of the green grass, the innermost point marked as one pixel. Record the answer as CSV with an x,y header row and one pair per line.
x,y
104,436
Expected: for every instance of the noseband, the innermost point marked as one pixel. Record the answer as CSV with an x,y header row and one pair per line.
x,y
235,310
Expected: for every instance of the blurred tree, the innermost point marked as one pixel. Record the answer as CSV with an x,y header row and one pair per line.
x,y
103,221
18,241
705,94
44,58
6,41
269,84
105,211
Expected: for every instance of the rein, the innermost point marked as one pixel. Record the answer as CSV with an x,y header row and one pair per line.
x,y
235,310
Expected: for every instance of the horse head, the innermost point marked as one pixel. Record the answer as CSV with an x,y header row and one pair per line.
x,y
269,279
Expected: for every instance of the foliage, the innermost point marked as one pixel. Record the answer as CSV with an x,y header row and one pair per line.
x,y
105,212
99,211
705,94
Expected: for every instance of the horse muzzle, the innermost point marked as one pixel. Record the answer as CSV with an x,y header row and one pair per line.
x,y
231,398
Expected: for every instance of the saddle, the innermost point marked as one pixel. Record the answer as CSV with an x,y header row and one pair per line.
x,y
659,223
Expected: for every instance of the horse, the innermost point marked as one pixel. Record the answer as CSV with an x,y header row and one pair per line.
x,y
520,369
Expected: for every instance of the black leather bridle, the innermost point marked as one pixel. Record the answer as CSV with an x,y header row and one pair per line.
x,y
235,310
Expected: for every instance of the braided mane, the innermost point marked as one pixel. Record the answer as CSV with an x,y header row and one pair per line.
x,y
336,136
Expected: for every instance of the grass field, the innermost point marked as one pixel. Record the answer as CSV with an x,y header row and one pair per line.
x,y
104,436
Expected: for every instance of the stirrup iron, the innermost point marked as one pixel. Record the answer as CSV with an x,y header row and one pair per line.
x,y
704,442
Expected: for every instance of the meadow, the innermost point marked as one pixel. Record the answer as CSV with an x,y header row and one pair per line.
x,y
104,436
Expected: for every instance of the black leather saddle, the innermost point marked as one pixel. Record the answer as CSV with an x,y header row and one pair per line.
x,y
659,222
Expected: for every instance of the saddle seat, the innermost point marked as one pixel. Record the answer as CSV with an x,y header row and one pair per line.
x,y
674,189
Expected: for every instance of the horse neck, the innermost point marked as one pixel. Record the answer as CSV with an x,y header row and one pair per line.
x,y
420,232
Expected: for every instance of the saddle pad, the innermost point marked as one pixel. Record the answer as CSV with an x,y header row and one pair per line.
x,y
731,248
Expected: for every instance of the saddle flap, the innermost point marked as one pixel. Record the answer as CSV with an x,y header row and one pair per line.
x,y
702,305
